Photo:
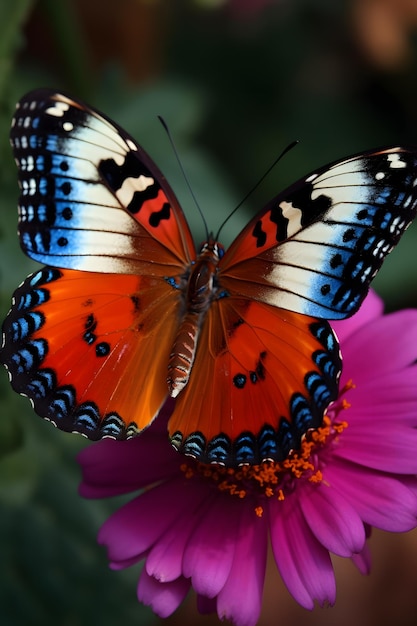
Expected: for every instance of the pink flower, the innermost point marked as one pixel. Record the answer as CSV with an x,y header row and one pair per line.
x,y
208,527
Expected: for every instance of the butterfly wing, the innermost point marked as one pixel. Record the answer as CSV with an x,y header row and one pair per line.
x,y
316,247
91,350
91,198
311,253
272,373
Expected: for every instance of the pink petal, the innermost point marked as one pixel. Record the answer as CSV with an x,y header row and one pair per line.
x,y
240,600
209,553
391,450
134,528
371,308
304,564
165,559
333,521
394,394
380,500
387,345
362,560
114,467
163,598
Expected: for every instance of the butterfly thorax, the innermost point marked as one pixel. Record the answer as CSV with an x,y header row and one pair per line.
x,y
200,289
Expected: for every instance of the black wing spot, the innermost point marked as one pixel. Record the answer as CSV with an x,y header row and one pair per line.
x,y
66,188
157,216
67,213
239,381
336,260
102,349
349,234
259,234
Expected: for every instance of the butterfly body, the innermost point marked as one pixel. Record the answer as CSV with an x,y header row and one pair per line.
x,y
199,290
126,312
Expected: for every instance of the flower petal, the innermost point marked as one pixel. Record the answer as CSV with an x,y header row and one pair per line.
x,y
392,397
362,560
389,344
114,467
380,500
304,564
163,598
135,527
393,449
165,559
240,600
210,550
333,521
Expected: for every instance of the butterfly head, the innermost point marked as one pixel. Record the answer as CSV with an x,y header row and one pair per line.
x,y
212,247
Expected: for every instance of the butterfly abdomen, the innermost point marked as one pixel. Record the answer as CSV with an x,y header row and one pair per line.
x,y
199,291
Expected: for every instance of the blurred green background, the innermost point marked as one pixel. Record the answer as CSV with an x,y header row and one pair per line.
x,y
237,81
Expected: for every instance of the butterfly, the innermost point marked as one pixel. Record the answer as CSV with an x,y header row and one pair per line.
x,y
127,312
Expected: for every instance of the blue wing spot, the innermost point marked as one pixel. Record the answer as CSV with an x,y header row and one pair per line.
x,y
89,337
62,242
302,416
112,425
192,446
41,384
62,403
29,357
87,416
244,448
267,443
26,325
218,449
239,381
102,349
318,390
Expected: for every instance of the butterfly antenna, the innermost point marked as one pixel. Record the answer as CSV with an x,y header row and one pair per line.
x,y
250,192
164,124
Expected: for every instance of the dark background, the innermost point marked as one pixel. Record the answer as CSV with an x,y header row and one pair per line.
x,y
237,81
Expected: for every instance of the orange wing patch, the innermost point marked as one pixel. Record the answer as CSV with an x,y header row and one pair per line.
x,y
268,375
91,350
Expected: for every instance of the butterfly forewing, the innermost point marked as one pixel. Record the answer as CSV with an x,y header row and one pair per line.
x,y
92,199
316,247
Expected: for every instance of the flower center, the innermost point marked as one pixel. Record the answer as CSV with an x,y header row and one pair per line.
x,y
277,479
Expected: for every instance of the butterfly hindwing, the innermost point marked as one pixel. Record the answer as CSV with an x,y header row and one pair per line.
x,y
91,198
316,247
82,347
268,375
